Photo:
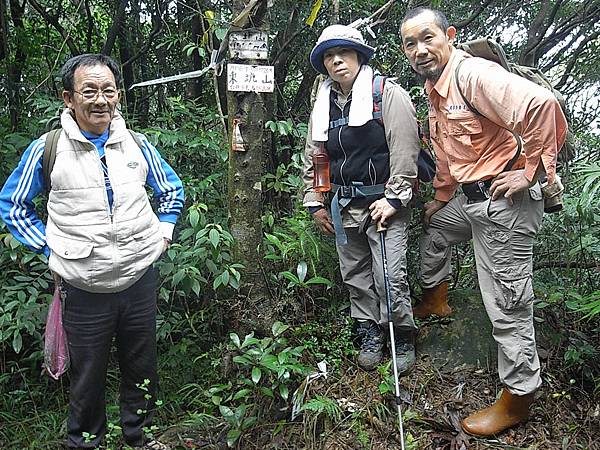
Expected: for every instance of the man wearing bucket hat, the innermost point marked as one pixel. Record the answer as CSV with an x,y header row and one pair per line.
x,y
373,166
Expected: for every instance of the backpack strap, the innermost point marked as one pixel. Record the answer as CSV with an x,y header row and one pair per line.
x,y
49,156
378,83
513,160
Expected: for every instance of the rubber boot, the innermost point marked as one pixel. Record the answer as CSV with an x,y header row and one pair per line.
x,y
509,410
434,302
371,345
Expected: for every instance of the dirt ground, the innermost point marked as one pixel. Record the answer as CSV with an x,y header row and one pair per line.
x,y
562,417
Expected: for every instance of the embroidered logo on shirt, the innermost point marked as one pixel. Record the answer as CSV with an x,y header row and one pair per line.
x,y
452,108
132,164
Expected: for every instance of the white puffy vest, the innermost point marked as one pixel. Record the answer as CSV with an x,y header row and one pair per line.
x,y
93,249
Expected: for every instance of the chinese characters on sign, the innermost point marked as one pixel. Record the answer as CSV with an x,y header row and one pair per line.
x,y
247,78
248,44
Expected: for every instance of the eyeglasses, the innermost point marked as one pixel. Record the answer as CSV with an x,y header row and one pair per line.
x,y
92,94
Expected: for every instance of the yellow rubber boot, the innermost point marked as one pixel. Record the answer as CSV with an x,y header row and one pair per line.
x,y
508,411
434,302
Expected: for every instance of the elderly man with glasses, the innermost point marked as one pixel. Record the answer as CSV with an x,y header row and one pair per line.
x,y
101,239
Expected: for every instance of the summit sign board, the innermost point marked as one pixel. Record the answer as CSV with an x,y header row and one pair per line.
x,y
249,44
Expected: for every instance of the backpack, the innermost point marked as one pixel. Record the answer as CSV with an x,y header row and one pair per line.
x,y
425,162
491,50
49,156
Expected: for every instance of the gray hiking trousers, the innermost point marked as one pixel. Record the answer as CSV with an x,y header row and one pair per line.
x,y
362,271
503,238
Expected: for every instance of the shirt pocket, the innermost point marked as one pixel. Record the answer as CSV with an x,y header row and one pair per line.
x,y
462,127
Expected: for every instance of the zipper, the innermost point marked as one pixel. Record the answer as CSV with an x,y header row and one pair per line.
x,y
108,209
340,142
113,226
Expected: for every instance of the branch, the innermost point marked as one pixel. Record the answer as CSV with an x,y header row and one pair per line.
x,y
111,36
156,28
574,57
90,25
476,13
291,24
537,31
567,265
56,24
559,55
375,16
564,29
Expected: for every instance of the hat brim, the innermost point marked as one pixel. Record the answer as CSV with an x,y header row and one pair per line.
x,y
316,55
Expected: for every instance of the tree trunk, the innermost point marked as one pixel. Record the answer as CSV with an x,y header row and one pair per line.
x,y
256,311
3,30
15,67
115,28
194,87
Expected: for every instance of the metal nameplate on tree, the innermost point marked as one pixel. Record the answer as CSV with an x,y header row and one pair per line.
x,y
248,44
250,78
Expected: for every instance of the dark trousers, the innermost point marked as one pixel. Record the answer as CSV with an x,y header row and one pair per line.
x,y
91,321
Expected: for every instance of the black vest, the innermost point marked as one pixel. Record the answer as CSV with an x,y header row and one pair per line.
x,y
356,154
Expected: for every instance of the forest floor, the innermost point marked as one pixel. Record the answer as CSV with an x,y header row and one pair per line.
x,y
353,409
565,415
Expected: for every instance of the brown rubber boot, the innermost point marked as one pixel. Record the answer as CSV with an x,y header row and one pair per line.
x,y
509,410
434,302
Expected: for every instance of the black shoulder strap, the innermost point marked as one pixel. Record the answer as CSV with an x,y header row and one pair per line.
x,y
460,91
513,160
49,156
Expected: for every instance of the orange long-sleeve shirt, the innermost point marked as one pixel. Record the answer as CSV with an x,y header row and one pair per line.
x,y
471,147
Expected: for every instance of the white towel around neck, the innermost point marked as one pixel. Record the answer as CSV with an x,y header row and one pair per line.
x,y
361,108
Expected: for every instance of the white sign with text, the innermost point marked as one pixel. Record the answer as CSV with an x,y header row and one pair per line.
x,y
249,44
248,78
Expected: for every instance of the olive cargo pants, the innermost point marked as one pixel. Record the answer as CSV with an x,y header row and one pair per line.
x,y
362,271
503,237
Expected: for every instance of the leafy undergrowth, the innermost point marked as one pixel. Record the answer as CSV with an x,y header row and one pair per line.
x,y
240,394
353,409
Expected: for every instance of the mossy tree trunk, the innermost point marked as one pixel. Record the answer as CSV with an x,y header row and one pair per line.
x,y
254,308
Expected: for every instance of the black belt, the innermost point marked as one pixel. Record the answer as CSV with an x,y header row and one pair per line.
x,y
477,191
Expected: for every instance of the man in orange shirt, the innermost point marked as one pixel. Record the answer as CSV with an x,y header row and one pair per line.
x,y
499,204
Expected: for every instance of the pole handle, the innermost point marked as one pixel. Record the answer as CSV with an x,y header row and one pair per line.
x,y
380,227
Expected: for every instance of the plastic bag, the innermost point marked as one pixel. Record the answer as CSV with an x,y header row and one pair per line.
x,y
56,352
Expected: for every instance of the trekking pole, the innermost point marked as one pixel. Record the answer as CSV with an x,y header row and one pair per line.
x,y
388,300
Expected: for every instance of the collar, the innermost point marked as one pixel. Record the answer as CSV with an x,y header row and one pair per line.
x,y
442,86
117,129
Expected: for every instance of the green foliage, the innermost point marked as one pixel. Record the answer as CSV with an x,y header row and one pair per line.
x,y
589,175
329,338
386,385
295,239
287,128
323,405
298,280
199,266
286,179
266,370
24,299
